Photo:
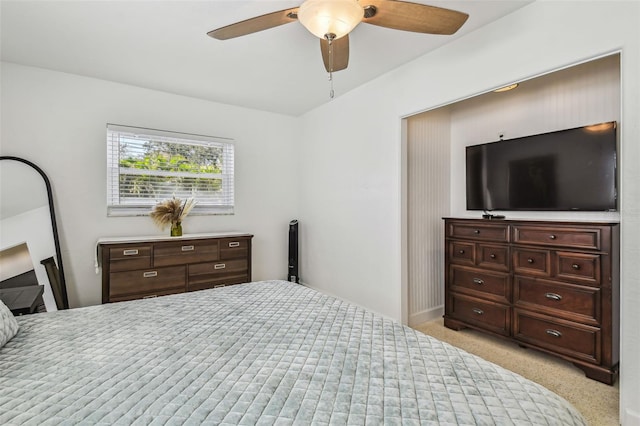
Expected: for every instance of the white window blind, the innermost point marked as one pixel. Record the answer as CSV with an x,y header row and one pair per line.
x,y
146,166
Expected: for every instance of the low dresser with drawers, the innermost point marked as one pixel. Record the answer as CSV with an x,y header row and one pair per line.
x,y
551,286
142,267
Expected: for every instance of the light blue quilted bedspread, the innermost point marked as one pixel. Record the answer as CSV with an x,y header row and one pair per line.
x,y
268,352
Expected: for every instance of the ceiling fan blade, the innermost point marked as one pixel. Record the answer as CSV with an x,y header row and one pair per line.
x,y
420,18
253,25
340,58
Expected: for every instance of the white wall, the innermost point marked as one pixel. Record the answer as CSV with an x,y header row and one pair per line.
x,y
350,199
58,121
351,153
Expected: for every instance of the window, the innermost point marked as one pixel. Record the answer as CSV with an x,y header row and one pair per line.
x,y
145,166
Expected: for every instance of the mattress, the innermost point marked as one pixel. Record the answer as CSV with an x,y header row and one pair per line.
x,y
269,352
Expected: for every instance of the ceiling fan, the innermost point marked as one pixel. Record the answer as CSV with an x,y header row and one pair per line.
x,y
333,20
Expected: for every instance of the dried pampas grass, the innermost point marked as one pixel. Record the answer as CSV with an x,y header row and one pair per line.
x,y
171,211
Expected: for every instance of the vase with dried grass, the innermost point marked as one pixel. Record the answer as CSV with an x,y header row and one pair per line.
x,y
171,212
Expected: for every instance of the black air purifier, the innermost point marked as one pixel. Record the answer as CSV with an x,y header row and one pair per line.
x,y
293,252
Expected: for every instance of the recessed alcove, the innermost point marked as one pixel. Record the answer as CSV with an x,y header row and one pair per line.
x,y
574,96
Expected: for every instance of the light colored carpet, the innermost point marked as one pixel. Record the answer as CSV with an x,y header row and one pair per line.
x,y
597,402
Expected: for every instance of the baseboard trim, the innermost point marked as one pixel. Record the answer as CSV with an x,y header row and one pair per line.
x,y
426,315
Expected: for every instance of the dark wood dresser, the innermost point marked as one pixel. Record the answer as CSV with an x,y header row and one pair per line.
x,y
551,286
135,268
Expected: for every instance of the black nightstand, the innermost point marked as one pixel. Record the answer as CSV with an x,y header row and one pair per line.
x,y
22,300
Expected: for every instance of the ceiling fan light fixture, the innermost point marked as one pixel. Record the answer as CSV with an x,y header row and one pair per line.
x,y
506,88
322,17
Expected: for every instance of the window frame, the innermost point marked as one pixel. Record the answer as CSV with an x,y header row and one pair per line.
x,y
227,175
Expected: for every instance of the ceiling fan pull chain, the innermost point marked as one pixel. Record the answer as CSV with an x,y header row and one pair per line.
x,y
330,37
331,93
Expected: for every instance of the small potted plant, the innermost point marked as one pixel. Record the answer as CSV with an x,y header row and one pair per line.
x,y
172,212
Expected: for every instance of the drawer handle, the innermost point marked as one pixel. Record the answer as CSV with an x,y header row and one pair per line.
x,y
150,274
477,311
130,252
554,333
530,260
151,296
478,281
219,266
493,256
234,244
553,237
219,285
553,296
476,231
461,251
188,248
575,266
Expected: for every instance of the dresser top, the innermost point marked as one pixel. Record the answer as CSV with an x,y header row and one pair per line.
x,y
151,238
537,221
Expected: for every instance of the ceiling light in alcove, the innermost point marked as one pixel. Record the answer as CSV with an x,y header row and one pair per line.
x,y
506,88
600,127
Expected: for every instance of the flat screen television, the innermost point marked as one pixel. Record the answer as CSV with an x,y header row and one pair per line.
x,y
567,170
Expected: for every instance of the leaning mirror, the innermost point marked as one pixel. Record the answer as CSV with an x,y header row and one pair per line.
x,y
30,262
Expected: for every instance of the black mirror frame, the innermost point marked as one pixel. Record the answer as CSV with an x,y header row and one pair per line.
x,y
54,227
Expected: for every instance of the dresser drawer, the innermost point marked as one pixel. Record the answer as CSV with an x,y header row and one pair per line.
x,y
572,339
481,313
572,302
493,257
209,275
462,253
126,258
485,284
533,262
134,296
498,232
233,248
202,283
218,268
578,267
185,252
146,282
582,238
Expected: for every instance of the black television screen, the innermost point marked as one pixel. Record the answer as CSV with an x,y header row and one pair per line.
x,y
573,169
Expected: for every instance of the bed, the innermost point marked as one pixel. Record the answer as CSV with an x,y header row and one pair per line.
x,y
269,352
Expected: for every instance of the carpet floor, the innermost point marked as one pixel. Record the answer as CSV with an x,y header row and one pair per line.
x,y
597,402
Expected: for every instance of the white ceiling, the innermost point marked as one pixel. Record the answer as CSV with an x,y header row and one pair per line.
x,y
163,45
